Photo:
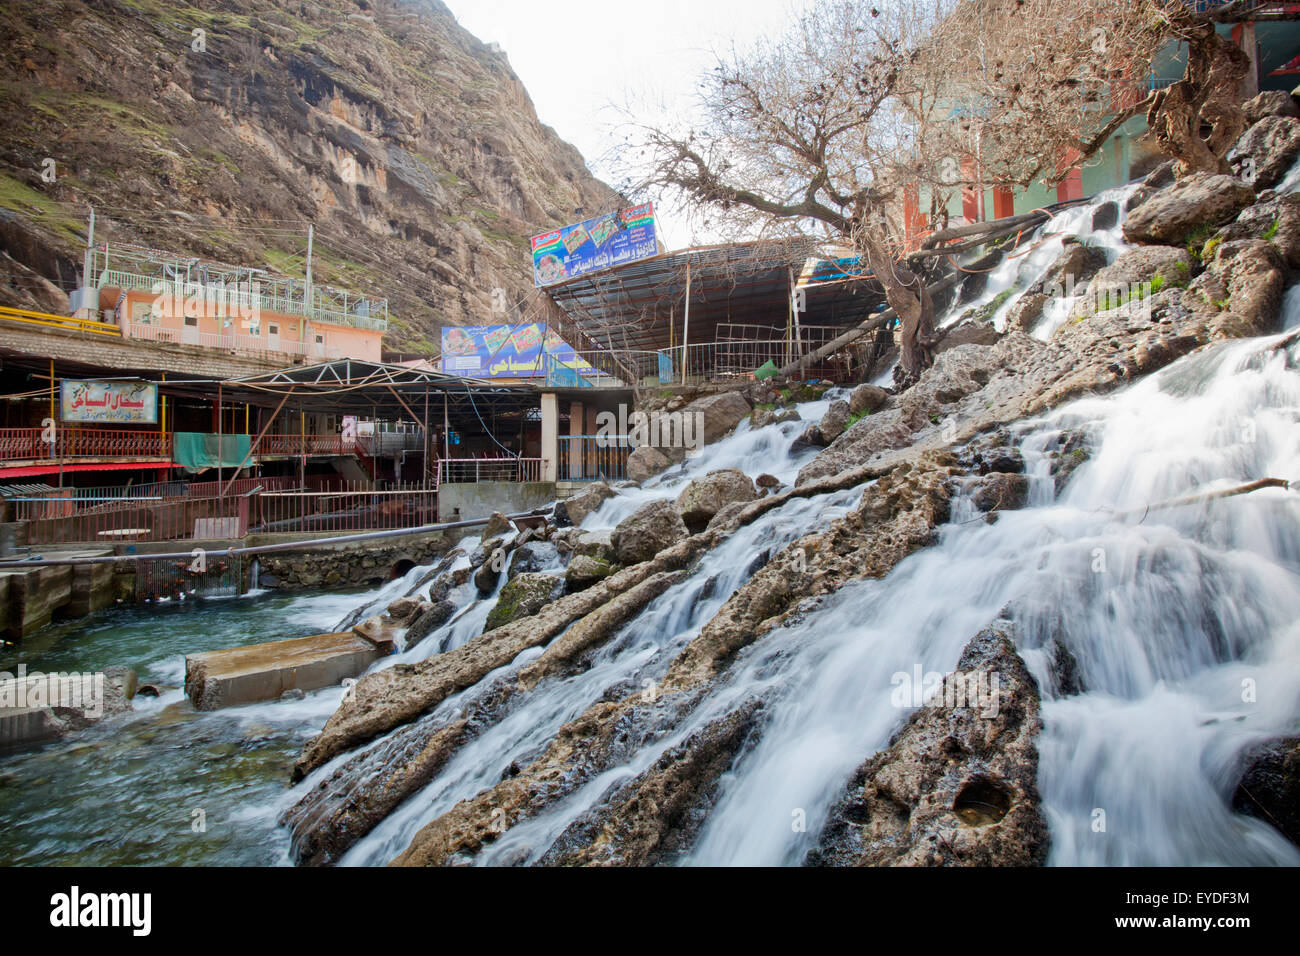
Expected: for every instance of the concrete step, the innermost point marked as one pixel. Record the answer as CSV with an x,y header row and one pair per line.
x,y
262,672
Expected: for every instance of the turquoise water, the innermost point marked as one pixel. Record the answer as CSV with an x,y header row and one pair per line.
x,y
164,784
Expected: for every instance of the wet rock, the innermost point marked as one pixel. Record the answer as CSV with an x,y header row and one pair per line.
x,y
1139,196
585,570
727,518
1105,216
447,582
403,610
1068,456
1163,175
485,550
523,597
294,693
1197,202
719,414
1277,221
866,399
489,572
1270,786
654,527
498,526
957,785
595,544
576,509
1136,268
1027,310
833,422
767,482
646,462
999,491
1246,279
705,497
377,630
966,332
1077,263
786,415
431,617
1270,103
531,557
811,437
1270,148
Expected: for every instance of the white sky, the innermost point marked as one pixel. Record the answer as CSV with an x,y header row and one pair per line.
x,y
576,58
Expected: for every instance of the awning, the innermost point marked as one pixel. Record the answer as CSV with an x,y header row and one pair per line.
x,y
31,471
197,451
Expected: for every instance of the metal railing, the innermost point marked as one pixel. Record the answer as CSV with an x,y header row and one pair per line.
x,y
292,446
612,368
355,508
67,322
28,444
146,520
63,502
456,471
593,457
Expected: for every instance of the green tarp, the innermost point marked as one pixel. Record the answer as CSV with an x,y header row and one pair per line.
x,y
195,451
766,370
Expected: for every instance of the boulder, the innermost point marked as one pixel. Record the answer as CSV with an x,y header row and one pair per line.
x,y
719,414
957,785
726,518
447,582
1270,103
811,437
767,482
1001,491
403,610
866,399
1267,150
530,558
1269,787
575,510
1246,280
1278,219
594,544
1200,201
1026,311
585,571
498,526
485,549
523,596
834,422
705,497
1077,263
1105,216
432,616
489,572
646,462
650,529
1136,268
965,332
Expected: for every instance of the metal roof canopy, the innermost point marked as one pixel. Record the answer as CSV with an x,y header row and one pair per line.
x,y
376,389
630,306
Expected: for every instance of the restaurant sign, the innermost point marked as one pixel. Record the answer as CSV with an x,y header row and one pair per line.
x,y
601,243
105,401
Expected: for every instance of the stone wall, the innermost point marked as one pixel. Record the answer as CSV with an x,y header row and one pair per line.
x,y
343,565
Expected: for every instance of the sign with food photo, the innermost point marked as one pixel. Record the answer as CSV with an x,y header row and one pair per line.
x,y
613,239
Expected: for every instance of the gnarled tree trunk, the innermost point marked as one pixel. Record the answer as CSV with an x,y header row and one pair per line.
x,y
908,296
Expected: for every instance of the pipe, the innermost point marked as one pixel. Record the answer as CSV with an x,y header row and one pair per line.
x,y
265,548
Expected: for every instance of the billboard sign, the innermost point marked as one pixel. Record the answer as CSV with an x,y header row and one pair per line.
x,y
100,401
505,351
610,240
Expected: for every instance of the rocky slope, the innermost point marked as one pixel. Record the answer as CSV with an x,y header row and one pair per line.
x,y
220,129
956,785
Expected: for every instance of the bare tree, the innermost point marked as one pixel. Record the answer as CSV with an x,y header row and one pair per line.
x,y
833,129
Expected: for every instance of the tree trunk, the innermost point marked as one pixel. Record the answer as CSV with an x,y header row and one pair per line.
x,y
908,296
1208,94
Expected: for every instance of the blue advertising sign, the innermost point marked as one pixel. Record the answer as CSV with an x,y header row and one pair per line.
x,y
601,243
506,351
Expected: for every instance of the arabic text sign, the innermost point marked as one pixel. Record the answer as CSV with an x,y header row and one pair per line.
x,y
88,401
601,243
504,351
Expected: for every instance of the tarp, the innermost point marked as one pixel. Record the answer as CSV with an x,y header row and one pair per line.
x,y
196,451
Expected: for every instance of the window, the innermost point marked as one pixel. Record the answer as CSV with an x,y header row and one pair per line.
x,y
192,321
272,330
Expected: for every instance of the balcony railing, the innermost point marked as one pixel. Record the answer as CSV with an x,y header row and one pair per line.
x,y
28,444
230,341
593,457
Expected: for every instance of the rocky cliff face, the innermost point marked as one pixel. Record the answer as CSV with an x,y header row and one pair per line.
x,y
220,129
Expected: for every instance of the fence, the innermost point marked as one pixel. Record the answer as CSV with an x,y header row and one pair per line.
x,y
454,471
591,457
231,341
145,520
28,444
354,509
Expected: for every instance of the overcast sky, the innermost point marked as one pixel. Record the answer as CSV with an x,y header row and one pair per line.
x,y
578,57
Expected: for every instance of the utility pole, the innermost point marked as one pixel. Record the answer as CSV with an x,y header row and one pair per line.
x,y
87,266
307,293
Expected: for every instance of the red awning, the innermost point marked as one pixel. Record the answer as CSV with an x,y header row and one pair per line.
x,y
33,470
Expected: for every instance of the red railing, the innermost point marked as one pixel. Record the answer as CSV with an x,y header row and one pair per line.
x,y
288,446
28,444
170,520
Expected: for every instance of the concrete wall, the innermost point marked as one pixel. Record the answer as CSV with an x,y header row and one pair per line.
x,y
480,499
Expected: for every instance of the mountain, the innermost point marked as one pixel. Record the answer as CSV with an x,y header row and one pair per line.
x,y
222,130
